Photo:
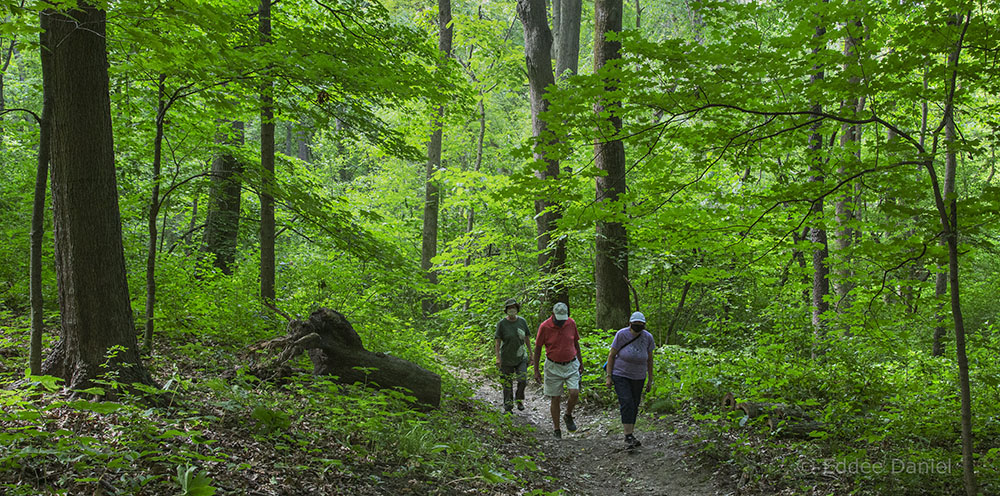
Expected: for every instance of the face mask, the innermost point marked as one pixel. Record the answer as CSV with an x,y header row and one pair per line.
x,y
512,311
638,327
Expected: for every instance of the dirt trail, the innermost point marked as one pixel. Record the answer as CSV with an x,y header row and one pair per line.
x,y
594,461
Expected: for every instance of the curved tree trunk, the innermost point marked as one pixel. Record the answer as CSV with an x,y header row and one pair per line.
x,y
947,206
97,323
335,348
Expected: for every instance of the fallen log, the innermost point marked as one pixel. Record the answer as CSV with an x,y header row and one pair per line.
x,y
781,410
729,402
335,348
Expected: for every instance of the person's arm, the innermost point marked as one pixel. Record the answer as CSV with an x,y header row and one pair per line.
x,y
579,356
527,340
612,354
649,372
536,354
649,364
496,350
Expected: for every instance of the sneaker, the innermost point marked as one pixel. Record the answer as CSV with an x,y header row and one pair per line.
x,y
520,405
557,433
631,441
570,425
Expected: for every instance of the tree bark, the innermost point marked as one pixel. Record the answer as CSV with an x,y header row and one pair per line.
x,y
97,323
551,252
432,190
611,260
222,222
38,208
844,210
335,348
154,210
947,206
568,50
267,235
817,234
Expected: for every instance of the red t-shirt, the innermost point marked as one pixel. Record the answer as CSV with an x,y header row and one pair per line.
x,y
560,342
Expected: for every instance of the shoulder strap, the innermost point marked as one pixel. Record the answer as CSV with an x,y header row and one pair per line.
x,y
628,343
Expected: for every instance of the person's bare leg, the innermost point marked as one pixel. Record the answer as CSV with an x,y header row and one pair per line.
x,y
554,410
628,428
574,395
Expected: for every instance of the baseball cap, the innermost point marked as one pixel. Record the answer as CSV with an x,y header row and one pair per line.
x,y
560,311
637,317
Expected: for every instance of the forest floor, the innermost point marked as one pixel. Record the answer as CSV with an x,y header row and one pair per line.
x,y
594,460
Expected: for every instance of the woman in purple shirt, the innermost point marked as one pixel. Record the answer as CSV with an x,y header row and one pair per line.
x,y
629,362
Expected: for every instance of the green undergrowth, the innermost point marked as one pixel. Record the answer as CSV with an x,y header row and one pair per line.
x,y
311,434
877,421
217,430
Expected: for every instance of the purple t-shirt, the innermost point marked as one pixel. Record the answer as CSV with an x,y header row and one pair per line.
x,y
631,360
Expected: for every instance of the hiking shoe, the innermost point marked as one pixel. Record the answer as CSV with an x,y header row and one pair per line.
x,y
520,405
557,433
570,425
631,441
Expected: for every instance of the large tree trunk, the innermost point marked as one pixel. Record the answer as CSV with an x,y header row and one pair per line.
x,y
429,234
611,260
551,252
222,222
267,256
97,321
336,349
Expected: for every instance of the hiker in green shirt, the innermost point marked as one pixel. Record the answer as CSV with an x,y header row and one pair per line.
x,y
511,344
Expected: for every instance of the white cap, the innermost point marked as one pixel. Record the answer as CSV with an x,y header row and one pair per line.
x,y
560,311
637,317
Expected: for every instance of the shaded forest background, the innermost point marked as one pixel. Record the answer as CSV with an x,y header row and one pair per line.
x,y
801,196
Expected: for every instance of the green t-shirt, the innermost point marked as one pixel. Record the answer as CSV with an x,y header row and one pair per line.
x,y
511,336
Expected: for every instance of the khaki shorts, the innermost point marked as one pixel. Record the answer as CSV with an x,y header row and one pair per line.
x,y
557,375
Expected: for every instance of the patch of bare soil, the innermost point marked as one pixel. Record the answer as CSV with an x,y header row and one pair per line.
x,y
594,459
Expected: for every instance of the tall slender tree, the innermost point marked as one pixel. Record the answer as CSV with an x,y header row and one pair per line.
x,y
850,141
432,190
817,233
611,257
154,211
947,205
98,329
267,229
38,209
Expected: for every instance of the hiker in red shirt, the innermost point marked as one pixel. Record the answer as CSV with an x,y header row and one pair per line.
x,y
563,363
